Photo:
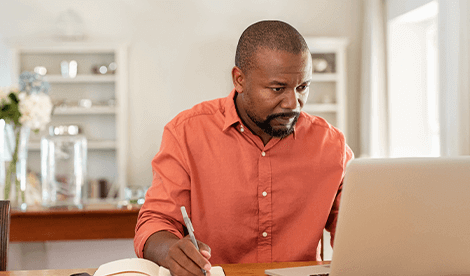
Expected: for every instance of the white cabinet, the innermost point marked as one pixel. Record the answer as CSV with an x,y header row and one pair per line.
x,y
327,97
105,122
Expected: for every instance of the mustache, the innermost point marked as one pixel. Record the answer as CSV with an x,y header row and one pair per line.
x,y
284,114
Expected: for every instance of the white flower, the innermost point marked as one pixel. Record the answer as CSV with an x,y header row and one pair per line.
x,y
4,92
35,110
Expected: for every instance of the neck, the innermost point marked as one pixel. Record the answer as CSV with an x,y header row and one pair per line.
x,y
265,138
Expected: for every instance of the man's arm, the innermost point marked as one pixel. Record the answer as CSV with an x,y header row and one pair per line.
x,y
348,155
180,256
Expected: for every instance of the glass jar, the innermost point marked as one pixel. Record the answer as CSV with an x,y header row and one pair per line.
x,y
63,167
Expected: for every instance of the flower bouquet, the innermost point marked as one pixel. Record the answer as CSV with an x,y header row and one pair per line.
x,y
23,108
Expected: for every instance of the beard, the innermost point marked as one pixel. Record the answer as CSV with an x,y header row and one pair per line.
x,y
268,129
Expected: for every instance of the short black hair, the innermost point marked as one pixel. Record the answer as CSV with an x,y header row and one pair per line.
x,y
269,34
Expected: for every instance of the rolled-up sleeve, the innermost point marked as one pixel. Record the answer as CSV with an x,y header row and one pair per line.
x,y
170,189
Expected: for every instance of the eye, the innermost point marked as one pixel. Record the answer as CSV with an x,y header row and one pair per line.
x,y
302,88
277,89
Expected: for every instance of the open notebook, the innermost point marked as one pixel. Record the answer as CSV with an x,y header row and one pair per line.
x,y
140,267
401,216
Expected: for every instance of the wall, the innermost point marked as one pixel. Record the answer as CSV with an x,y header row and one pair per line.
x,y
396,8
181,53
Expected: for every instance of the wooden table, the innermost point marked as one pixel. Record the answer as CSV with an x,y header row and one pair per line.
x,y
230,269
97,221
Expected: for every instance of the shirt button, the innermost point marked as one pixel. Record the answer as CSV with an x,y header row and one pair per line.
x,y
264,193
263,153
265,234
242,129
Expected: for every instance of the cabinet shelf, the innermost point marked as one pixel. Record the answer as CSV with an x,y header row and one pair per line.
x,y
91,145
94,110
81,79
328,89
106,126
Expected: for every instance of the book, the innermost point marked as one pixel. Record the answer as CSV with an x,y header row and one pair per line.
x,y
140,267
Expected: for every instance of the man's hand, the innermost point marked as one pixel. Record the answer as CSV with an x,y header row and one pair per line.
x,y
180,256
184,259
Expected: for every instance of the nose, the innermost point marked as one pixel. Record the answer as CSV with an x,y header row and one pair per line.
x,y
290,100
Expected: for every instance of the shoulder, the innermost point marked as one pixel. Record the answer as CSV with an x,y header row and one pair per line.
x,y
200,112
318,124
331,137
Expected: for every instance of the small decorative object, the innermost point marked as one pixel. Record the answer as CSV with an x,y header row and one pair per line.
x,y
103,69
69,69
319,65
85,103
64,69
41,70
135,195
22,109
63,166
324,62
73,69
104,187
112,68
95,69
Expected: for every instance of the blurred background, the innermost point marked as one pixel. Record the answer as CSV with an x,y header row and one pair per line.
x,y
407,67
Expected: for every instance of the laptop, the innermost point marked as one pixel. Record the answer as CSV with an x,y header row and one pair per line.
x,y
401,216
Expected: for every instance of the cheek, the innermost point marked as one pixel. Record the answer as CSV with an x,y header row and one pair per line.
x,y
262,98
264,94
303,98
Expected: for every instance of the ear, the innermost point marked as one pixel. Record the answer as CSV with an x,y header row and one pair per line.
x,y
238,79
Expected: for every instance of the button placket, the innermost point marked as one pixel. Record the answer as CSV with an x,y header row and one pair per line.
x,y
265,208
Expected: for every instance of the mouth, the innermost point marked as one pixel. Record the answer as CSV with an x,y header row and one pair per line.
x,y
285,120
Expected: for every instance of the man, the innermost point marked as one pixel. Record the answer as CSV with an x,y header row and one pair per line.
x,y
260,179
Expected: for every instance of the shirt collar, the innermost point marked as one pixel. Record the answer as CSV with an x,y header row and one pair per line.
x,y
231,115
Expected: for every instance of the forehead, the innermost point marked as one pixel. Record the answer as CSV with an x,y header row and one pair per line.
x,y
273,62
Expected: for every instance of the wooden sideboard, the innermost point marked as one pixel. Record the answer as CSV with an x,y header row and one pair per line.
x,y
98,221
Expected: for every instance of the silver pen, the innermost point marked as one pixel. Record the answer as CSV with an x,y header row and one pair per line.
x,y
190,227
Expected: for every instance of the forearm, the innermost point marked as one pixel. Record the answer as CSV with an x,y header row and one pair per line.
x,y
157,246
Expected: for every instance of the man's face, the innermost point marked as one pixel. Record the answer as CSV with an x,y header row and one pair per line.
x,y
274,91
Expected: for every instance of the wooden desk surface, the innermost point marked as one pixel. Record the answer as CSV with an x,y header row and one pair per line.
x,y
230,269
98,221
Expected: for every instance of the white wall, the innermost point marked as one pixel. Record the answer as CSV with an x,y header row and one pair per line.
x,y
181,52
408,92
396,8
454,63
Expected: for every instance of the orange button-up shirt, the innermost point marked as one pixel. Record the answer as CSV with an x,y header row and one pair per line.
x,y
248,201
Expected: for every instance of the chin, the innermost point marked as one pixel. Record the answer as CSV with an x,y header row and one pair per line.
x,y
281,132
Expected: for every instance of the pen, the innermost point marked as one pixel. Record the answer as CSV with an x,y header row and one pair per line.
x,y
189,225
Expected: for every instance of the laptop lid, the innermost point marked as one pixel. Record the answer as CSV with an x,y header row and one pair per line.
x,y
404,216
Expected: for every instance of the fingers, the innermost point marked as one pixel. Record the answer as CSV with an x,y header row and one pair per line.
x,y
206,254
204,249
184,259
